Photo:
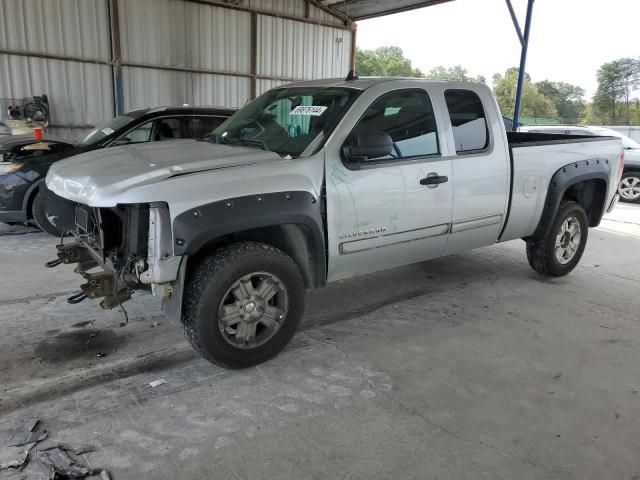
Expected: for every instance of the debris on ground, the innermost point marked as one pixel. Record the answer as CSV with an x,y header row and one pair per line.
x,y
60,465
77,449
157,383
16,458
24,446
27,431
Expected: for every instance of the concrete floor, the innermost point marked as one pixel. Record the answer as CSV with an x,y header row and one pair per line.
x,y
466,367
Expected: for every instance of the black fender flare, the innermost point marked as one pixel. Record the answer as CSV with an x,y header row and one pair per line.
x,y
561,181
30,194
199,226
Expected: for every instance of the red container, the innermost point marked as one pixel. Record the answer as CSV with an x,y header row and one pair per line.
x,y
37,132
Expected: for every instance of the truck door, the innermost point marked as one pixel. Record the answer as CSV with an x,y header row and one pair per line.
x,y
392,210
480,172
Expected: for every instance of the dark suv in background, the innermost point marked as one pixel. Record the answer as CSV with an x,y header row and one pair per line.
x,y
24,161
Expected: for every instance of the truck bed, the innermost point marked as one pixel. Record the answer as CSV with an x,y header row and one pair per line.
x,y
535,158
524,139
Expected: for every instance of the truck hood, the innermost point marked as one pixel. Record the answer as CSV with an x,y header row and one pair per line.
x,y
96,177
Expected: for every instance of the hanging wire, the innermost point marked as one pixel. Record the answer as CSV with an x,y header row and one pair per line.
x,y
120,276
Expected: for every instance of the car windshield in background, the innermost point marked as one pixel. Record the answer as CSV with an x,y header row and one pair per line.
x,y
102,131
288,121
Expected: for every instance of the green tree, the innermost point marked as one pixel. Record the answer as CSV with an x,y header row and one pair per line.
x,y
534,103
384,62
617,81
456,73
592,116
568,99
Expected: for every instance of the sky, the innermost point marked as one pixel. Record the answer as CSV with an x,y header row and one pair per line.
x,y
569,39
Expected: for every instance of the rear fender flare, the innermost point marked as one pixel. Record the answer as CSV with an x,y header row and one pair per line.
x,y
561,181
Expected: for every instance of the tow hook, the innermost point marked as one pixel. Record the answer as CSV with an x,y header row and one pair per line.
x,y
77,297
53,263
73,253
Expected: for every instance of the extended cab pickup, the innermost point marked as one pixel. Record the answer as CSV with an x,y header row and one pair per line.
x,y
319,181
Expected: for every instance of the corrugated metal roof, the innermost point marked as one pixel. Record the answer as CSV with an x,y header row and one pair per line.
x,y
184,34
362,9
71,27
291,49
146,87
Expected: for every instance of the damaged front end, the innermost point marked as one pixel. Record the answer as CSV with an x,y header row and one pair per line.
x,y
121,249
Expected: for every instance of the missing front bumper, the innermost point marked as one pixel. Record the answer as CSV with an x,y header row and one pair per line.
x,y
105,283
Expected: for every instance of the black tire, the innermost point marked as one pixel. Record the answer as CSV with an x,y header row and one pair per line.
x,y
208,287
542,253
629,187
40,216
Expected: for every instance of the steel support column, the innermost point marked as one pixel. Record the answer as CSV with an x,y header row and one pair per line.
x,y
524,42
116,54
254,55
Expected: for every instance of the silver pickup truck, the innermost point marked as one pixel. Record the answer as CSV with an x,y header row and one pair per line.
x,y
319,181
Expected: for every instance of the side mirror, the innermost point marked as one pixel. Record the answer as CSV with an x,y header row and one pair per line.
x,y
120,141
368,146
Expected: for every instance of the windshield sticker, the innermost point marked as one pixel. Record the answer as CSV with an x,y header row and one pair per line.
x,y
107,131
313,110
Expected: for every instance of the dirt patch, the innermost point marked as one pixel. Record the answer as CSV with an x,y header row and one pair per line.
x,y
84,344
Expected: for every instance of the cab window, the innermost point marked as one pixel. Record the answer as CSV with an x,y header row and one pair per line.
x,y
167,129
140,134
468,120
155,130
407,117
200,126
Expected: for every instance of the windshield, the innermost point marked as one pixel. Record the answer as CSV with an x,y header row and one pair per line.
x,y
287,120
102,131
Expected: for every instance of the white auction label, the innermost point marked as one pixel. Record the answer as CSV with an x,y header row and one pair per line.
x,y
313,110
107,131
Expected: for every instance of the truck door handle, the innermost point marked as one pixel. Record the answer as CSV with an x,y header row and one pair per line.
x,y
433,179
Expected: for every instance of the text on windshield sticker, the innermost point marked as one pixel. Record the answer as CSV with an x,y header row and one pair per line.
x,y
313,110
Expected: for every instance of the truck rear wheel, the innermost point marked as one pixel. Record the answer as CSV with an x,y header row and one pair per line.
x,y
243,304
560,251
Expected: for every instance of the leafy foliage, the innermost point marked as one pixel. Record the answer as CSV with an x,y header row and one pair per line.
x,y
568,99
456,73
534,103
617,80
612,103
385,62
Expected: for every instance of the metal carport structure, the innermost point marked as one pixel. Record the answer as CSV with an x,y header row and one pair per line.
x,y
97,58
364,9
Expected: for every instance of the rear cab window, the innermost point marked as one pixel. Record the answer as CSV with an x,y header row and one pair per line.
x,y
468,121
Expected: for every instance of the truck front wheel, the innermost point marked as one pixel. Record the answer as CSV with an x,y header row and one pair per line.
x,y
560,251
243,304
